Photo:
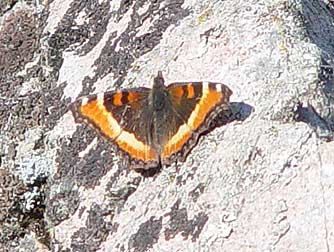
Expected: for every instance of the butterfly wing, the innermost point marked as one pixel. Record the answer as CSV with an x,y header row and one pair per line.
x,y
195,104
125,119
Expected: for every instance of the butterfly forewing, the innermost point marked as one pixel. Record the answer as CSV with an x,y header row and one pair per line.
x,y
120,117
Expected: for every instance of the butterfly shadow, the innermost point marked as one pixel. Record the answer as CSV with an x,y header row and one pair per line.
x,y
239,111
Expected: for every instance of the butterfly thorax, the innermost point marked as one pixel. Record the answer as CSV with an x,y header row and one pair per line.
x,y
160,98
159,106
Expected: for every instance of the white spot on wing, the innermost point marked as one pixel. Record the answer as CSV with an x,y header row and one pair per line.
x,y
100,98
84,101
219,87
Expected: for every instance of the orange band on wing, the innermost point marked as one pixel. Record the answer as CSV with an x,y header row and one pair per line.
x,y
117,99
209,99
177,141
177,91
132,97
129,143
191,91
103,119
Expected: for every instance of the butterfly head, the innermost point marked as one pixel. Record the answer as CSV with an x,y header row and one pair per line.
x,y
159,81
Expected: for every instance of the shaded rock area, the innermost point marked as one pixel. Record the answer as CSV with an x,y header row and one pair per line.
x,y
260,181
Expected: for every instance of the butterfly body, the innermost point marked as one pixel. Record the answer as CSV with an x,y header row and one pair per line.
x,y
154,127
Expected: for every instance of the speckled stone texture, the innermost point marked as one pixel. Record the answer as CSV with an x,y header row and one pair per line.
x,y
261,182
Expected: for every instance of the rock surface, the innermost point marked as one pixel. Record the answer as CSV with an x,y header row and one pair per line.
x,y
262,182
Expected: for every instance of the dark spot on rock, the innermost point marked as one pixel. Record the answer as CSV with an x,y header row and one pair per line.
x,y
6,5
81,211
179,223
180,180
97,229
62,205
310,116
146,236
197,191
20,214
86,171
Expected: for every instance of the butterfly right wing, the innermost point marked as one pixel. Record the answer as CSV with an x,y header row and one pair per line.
x,y
123,118
195,104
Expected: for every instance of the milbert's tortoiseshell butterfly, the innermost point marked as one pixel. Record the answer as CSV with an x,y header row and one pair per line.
x,y
154,127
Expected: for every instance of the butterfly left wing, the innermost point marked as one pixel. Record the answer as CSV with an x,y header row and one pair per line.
x,y
123,119
196,103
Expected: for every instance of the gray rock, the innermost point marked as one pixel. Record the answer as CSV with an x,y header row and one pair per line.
x,y
261,182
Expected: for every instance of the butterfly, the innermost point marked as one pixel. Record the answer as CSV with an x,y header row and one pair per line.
x,y
157,126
